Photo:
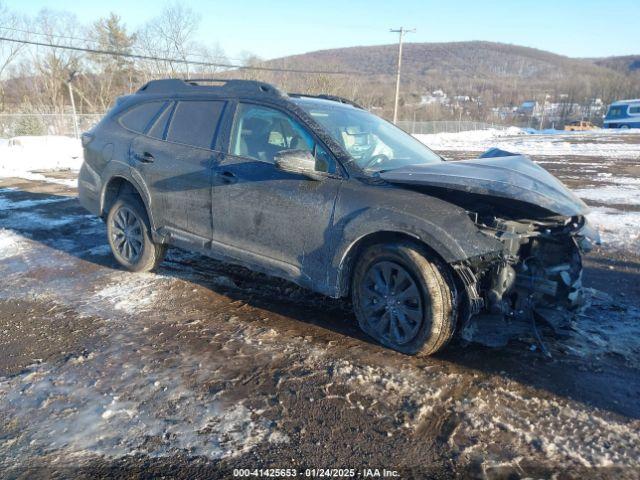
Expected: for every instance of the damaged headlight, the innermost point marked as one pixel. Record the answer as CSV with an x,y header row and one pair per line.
x,y
587,236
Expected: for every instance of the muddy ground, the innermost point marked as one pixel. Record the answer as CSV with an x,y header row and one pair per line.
x,y
203,368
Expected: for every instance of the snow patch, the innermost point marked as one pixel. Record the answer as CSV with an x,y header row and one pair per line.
x,y
613,195
517,141
30,220
11,244
7,204
618,228
132,292
104,406
21,156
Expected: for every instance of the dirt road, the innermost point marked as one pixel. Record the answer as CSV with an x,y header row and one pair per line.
x,y
204,368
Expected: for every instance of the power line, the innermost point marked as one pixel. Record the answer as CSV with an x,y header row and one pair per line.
x,y
93,41
176,60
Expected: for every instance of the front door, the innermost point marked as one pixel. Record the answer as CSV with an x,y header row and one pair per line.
x,y
258,208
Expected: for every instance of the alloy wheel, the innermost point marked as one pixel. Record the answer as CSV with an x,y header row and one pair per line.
x,y
126,234
392,302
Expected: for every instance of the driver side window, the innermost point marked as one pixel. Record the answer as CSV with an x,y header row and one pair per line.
x,y
261,133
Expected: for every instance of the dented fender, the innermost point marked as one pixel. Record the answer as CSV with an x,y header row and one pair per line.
x,y
443,227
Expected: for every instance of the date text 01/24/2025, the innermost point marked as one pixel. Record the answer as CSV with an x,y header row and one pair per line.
x,y
316,473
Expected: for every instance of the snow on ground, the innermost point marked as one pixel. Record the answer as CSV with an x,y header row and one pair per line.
x,y
561,430
611,194
518,141
10,243
618,229
21,156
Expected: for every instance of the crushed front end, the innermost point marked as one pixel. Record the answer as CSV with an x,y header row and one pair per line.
x,y
538,274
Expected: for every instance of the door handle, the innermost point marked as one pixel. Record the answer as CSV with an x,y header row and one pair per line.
x,y
145,157
227,177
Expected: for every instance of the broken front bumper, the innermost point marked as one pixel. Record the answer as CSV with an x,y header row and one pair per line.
x,y
539,274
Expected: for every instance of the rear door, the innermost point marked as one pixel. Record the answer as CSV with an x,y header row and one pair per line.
x,y
175,158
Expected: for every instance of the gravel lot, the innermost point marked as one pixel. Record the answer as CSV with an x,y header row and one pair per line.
x,y
203,367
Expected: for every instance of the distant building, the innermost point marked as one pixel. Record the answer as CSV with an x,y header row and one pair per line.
x,y
437,96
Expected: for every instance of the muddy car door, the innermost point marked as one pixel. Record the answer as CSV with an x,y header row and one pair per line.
x,y
175,159
284,218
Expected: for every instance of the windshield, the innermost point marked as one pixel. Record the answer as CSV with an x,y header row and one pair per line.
x,y
373,143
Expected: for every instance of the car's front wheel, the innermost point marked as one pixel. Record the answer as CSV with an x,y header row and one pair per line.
x,y
129,235
404,300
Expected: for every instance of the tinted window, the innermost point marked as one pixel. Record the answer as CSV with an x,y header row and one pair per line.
x,y
634,109
138,118
194,123
261,132
618,111
159,127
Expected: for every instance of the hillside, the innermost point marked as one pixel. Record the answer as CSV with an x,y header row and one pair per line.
x,y
455,58
499,74
629,64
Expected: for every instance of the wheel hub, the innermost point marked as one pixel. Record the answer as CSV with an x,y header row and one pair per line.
x,y
392,303
127,237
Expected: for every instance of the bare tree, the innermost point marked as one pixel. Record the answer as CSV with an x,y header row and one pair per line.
x,y
170,35
53,66
9,51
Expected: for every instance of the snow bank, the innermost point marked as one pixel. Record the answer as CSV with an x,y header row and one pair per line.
x,y
519,141
20,156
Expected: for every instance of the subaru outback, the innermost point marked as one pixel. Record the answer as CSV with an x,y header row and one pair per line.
x,y
318,191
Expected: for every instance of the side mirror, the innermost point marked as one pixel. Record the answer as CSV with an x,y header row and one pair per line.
x,y
301,162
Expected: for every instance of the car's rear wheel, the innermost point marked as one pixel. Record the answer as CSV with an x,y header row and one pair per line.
x,y
404,300
129,235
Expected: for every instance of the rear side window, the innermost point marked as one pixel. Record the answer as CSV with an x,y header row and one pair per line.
x,y
160,125
139,117
195,123
635,109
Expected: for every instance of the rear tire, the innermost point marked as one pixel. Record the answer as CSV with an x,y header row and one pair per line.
x,y
129,235
404,300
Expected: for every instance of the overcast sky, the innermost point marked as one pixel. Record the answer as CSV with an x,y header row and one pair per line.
x,y
274,28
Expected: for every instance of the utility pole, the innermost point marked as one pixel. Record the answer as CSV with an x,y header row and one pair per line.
x,y
72,75
401,33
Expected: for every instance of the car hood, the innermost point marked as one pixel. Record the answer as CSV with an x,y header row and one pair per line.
x,y
513,177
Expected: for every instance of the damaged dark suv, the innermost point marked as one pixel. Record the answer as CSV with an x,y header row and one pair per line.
x,y
317,190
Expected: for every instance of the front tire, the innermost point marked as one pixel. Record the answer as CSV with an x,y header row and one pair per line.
x,y
129,235
404,300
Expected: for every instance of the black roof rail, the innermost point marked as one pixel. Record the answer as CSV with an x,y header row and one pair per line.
x,y
334,98
231,86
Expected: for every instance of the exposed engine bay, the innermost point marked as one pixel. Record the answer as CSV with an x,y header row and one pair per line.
x,y
537,276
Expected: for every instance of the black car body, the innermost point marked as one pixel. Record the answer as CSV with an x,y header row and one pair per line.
x,y
242,172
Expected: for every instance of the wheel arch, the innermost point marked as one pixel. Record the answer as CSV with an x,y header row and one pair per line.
x,y
119,185
357,248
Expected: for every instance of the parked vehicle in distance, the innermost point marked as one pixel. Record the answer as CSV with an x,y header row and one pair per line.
x,y
319,191
579,126
623,114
